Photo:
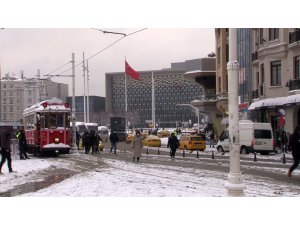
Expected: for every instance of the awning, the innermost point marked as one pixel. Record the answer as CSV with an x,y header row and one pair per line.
x,y
273,102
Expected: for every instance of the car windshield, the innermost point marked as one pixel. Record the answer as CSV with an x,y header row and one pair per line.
x,y
198,138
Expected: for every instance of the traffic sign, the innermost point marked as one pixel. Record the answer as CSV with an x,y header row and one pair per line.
x,y
281,121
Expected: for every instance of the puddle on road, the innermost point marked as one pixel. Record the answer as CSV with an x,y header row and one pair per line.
x,y
36,185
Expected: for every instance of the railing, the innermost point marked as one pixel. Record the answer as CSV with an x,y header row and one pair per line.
x,y
294,36
254,56
293,84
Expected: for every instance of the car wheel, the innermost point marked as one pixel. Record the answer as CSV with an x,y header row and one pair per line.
x,y
244,150
220,149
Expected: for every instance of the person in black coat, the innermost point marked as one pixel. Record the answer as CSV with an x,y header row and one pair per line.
x,y
173,143
113,137
294,145
86,142
22,145
5,138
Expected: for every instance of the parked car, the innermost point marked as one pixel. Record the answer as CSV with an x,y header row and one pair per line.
x,y
103,132
163,133
152,141
254,137
129,137
192,142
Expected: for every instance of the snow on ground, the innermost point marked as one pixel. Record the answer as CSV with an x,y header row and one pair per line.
x,y
24,171
126,179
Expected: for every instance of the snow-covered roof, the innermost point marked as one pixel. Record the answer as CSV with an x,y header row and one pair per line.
x,y
54,104
273,102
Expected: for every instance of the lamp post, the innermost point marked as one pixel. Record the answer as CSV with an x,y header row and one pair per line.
x,y
234,184
197,113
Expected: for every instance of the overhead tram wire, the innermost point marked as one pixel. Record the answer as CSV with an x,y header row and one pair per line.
x,y
126,35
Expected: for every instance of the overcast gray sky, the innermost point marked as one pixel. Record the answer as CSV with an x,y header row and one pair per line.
x,y
47,49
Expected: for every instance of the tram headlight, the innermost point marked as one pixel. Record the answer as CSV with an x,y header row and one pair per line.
x,y
56,140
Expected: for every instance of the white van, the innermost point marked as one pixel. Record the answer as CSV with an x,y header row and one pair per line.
x,y
91,126
103,131
254,137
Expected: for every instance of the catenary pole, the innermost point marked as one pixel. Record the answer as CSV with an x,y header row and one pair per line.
x,y
84,94
234,184
73,146
88,92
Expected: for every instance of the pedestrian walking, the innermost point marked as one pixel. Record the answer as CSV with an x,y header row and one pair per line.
x,y
284,142
5,138
86,142
22,145
92,140
98,139
77,139
212,139
137,145
294,145
173,143
114,139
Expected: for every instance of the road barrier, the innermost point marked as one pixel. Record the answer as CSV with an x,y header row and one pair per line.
x,y
183,153
255,159
147,151
158,151
283,159
212,155
197,153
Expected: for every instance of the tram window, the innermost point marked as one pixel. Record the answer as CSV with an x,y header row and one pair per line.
x,y
67,119
60,120
29,122
52,120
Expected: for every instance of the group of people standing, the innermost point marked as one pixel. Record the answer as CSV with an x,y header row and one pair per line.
x,y
90,140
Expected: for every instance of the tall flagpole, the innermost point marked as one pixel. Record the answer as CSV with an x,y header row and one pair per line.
x,y
153,102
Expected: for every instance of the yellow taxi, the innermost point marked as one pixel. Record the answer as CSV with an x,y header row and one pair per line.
x,y
152,141
192,142
163,133
129,137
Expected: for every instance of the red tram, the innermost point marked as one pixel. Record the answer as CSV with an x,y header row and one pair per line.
x,y
47,127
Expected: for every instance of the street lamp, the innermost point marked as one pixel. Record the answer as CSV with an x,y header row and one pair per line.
x,y
197,113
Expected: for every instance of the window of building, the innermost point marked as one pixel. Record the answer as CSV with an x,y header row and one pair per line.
x,y
262,72
261,36
227,53
219,56
297,67
11,108
257,79
11,100
275,73
273,33
11,86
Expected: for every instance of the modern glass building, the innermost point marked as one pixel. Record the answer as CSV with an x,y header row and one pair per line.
x,y
170,89
244,57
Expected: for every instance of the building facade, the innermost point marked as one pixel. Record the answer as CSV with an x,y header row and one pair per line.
x,y
96,109
18,93
222,57
171,89
276,76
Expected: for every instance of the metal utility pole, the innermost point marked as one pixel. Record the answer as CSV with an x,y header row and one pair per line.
x,y
234,184
88,92
153,102
73,147
84,95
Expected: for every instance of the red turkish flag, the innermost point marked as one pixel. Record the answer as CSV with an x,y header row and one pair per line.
x,y
131,72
